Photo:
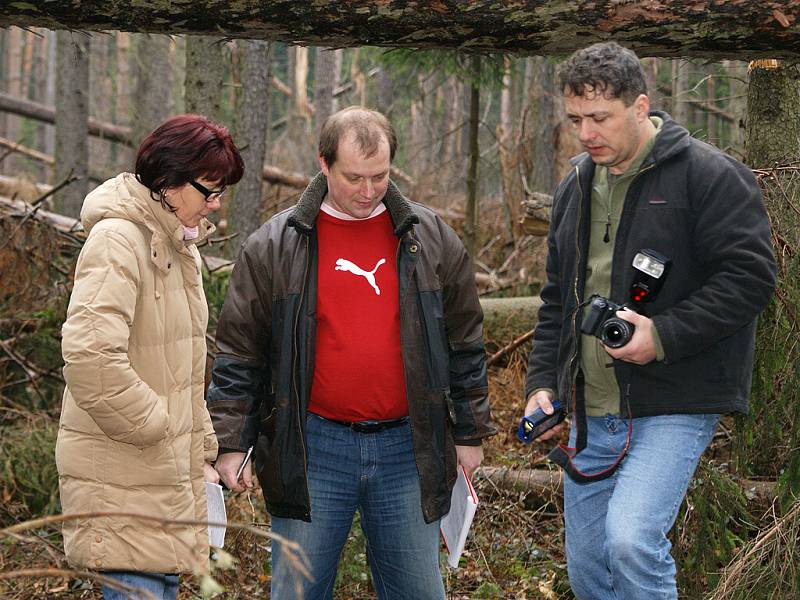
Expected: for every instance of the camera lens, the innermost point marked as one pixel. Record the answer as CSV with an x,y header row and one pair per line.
x,y
616,332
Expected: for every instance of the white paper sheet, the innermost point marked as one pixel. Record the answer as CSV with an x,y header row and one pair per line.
x,y
455,525
216,514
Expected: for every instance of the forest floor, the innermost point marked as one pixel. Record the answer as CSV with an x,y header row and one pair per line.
x,y
514,549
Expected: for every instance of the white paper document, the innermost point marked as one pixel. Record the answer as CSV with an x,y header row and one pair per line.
x,y
455,525
216,514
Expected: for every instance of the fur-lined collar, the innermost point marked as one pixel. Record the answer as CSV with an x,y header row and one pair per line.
x,y
304,215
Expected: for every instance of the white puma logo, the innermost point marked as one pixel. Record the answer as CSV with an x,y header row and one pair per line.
x,y
342,264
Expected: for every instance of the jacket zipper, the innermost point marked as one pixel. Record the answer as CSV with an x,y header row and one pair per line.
x,y
572,372
639,172
295,359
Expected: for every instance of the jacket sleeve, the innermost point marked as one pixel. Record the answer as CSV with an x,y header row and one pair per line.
x,y
210,446
732,241
469,390
94,344
543,360
240,373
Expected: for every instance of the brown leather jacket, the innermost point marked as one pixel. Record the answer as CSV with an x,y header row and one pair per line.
x,y
266,334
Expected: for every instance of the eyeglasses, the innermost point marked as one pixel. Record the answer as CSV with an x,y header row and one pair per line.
x,y
209,195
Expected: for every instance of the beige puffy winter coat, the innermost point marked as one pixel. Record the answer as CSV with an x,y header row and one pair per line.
x,y
134,427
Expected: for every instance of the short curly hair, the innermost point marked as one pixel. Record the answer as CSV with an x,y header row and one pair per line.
x,y
607,68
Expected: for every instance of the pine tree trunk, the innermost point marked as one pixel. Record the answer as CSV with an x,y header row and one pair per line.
x,y
769,438
324,84
252,129
545,102
100,97
205,74
13,86
712,122
651,75
385,91
72,120
50,91
737,104
471,209
123,154
680,91
152,102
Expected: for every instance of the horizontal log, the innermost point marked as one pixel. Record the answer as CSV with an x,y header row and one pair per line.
x,y
693,28
47,114
547,484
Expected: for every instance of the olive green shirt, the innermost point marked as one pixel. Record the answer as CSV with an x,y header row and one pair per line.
x,y
601,390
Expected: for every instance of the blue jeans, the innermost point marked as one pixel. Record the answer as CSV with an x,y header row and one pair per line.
x,y
376,474
616,529
161,585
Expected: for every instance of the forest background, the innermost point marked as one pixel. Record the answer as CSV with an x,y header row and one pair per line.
x,y
483,140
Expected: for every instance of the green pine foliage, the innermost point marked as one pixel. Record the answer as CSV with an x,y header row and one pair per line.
x,y
713,523
768,439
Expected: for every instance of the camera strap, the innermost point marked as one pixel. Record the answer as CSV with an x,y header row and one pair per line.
x,y
563,455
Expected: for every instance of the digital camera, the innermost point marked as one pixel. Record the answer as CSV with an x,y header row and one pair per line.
x,y
600,321
650,270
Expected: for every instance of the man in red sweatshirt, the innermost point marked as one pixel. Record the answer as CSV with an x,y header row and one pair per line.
x,y
351,357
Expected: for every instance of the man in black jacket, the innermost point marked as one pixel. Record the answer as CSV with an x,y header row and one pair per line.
x,y
643,188
351,356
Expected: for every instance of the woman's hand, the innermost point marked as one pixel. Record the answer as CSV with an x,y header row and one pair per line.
x,y
210,473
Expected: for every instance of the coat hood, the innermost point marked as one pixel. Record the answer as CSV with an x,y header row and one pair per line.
x,y
123,197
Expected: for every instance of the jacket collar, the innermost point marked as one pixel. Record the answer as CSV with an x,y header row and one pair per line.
x,y
304,214
165,227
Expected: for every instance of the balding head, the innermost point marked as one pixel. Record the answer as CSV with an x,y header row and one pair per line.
x,y
367,127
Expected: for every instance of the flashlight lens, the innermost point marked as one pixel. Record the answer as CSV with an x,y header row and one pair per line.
x,y
647,265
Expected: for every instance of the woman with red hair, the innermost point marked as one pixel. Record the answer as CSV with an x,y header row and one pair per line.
x,y
135,435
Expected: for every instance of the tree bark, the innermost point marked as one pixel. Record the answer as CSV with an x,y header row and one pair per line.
x,y
471,209
100,97
385,92
324,84
123,154
72,120
773,140
545,98
700,28
680,92
13,86
773,122
650,66
737,104
153,93
712,121
205,73
252,130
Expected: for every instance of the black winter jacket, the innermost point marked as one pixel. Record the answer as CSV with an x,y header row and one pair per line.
x,y
266,335
704,211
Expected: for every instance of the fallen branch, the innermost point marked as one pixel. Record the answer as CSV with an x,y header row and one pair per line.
x,y
508,348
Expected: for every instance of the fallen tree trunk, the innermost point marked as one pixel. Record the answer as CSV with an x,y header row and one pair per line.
x,y
47,114
506,319
300,181
694,28
547,484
